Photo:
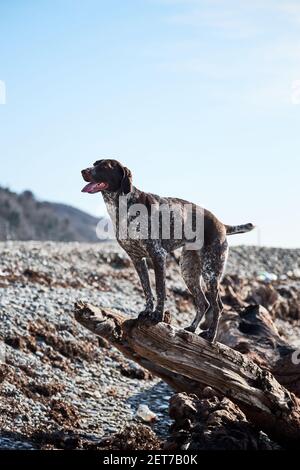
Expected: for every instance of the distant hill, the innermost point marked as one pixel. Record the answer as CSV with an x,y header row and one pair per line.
x,y
22,217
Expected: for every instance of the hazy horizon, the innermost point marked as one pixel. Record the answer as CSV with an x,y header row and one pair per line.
x,y
198,98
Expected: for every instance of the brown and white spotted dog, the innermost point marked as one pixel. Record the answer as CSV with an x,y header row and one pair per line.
x,y
201,268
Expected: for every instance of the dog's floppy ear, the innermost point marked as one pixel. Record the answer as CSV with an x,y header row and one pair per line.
x,y
126,183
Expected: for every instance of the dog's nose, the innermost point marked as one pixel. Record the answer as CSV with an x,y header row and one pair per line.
x,y
87,174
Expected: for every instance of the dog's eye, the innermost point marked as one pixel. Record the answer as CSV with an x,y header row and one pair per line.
x,y
98,162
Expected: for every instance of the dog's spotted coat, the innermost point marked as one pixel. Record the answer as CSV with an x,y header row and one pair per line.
x,y
205,264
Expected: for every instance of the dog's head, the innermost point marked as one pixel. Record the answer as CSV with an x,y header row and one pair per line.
x,y
107,175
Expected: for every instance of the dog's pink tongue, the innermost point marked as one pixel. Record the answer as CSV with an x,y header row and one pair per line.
x,y
94,187
89,188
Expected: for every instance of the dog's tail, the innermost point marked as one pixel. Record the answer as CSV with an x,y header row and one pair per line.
x,y
235,229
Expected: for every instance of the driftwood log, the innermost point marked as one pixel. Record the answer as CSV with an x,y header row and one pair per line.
x,y
190,364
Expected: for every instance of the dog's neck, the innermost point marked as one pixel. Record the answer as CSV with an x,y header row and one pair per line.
x,y
111,199
112,202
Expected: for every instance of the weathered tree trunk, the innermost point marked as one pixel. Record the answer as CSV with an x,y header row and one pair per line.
x,y
189,363
253,333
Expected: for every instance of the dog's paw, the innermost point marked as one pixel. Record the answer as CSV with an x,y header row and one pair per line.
x,y
157,316
150,318
190,328
208,335
145,314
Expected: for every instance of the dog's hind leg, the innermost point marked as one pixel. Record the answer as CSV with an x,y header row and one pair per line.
x,y
216,310
214,260
210,314
190,264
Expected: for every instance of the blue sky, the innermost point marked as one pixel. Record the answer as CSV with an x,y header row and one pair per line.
x,y
194,96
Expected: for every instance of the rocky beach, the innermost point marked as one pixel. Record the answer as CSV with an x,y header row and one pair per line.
x,y
61,387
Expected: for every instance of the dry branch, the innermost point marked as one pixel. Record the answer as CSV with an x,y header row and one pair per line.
x,y
189,363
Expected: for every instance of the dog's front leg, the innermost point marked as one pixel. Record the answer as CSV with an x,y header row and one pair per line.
x,y
159,264
142,270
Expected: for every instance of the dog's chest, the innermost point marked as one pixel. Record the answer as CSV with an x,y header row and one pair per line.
x,y
110,207
134,247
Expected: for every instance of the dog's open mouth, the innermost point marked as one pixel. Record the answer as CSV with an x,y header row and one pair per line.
x,y
92,188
